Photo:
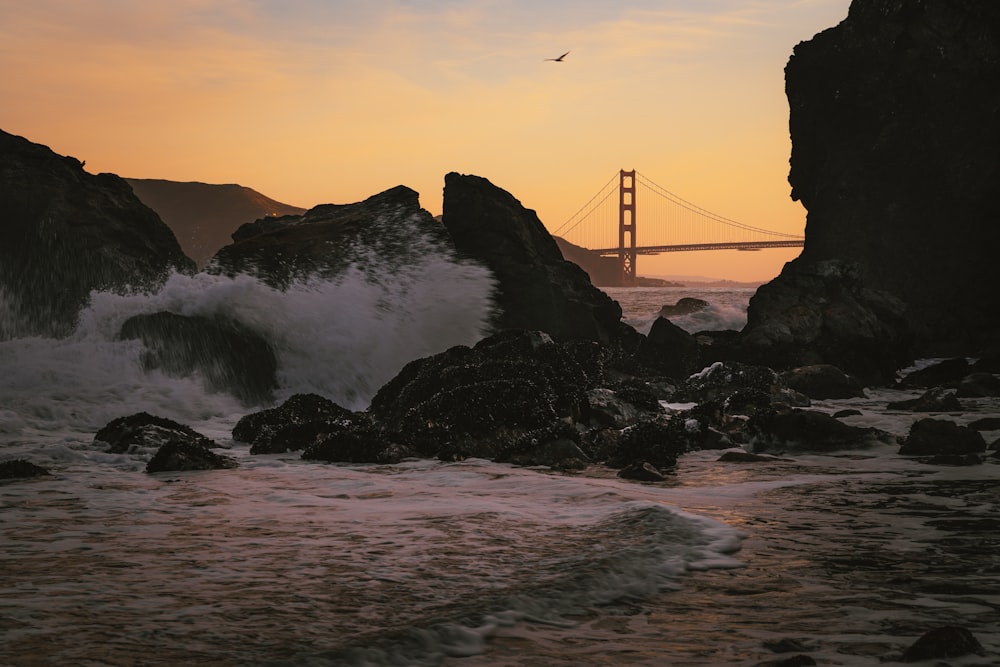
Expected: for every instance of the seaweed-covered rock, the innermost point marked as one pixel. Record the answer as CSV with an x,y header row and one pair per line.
x,y
822,381
289,426
142,430
945,642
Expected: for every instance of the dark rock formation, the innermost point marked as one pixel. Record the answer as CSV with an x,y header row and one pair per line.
x,y
808,431
932,400
929,437
537,289
181,455
895,127
947,642
978,385
684,306
143,430
669,350
65,232
822,313
641,472
943,373
21,469
204,216
385,231
229,356
289,426
821,382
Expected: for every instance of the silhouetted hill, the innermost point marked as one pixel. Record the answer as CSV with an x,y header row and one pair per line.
x,y
203,216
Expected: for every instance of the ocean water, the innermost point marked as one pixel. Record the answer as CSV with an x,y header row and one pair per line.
x,y
285,562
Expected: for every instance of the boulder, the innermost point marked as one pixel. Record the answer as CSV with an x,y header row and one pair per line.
x,y
289,426
930,437
327,239
352,440
229,356
21,469
979,385
536,288
824,313
895,134
183,455
799,430
945,642
684,306
132,433
64,233
669,350
939,399
477,401
642,472
947,372
657,442
822,381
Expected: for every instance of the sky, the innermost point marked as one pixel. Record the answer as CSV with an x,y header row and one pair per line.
x,y
330,101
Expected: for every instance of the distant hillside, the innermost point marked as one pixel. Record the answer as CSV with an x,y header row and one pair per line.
x,y
603,271
203,216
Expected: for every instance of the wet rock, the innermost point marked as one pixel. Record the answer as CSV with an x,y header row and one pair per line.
x,y
21,469
536,288
657,441
230,357
946,642
65,232
979,385
749,457
808,431
933,400
953,460
792,661
822,381
641,472
183,455
669,350
604,407
283,428
947,372
479,400
557,446
326,239
786,646
145,431
929,437
849,412
986,424
352,440
684,306
893,122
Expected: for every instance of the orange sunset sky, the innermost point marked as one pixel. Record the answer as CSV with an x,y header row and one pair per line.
x,y
319,101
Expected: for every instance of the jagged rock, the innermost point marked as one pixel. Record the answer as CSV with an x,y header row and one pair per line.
x,y
822,381
65,232
669,350
737,388
641,472
477,401
930,437
823,313
979,385
21,469
556,446
684,306
536,288
181,455
808,431
230,357
605,407
326,239
283,428
894,128
352,440
947,642
933,400
657,442
145,431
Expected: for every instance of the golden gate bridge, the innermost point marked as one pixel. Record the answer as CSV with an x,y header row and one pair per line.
x,y
671,223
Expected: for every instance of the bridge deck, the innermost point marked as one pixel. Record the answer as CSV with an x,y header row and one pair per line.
x,y
735,245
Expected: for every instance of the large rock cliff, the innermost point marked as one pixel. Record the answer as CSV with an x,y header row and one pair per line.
x,y
895,128
536,288
65,232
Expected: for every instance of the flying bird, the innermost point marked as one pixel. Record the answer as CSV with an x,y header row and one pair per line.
x,y
559,59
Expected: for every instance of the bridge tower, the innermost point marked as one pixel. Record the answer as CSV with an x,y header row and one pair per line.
x,y
626,228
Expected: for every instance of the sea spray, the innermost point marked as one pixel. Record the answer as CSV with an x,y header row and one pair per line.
x,y
342,338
